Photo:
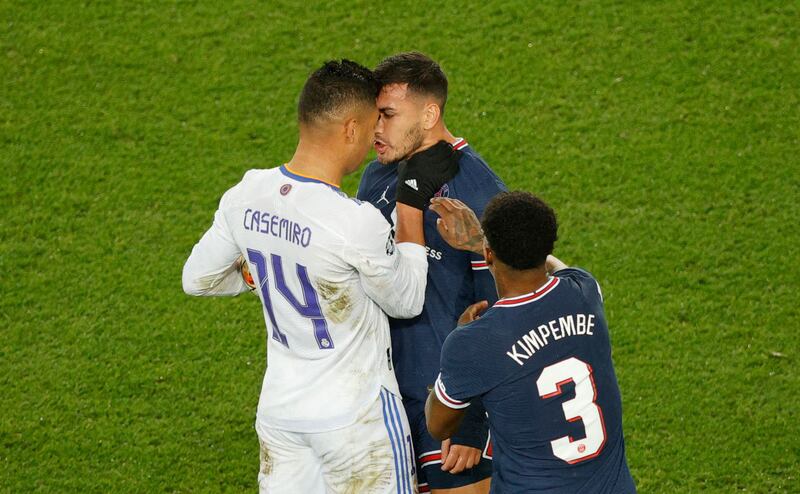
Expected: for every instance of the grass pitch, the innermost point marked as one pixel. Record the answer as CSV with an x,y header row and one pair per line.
x,y
665,134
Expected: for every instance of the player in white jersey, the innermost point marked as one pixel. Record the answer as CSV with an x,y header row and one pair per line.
x,y
327,270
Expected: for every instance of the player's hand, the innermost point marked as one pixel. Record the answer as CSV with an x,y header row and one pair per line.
x,y
424,173
458,225
473,312
456,457
244,269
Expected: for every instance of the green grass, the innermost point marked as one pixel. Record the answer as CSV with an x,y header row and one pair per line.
x,y
665,134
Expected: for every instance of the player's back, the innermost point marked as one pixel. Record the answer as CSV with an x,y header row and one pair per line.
x,y
328,342
548,384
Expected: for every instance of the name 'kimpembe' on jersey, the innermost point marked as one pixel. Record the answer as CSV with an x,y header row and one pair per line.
x,y
541,364
326,270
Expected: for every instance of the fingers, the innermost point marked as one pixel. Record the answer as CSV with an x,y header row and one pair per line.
x,y
443,229
469,460
461,465
444,203
473,312
450,461
460,458
458,204
476,457
478,307
448,202
443,212
437,208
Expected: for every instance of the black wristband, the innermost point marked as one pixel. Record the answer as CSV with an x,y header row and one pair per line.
x,y
422,175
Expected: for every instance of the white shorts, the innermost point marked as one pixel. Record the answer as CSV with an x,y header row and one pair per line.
x,y
373,455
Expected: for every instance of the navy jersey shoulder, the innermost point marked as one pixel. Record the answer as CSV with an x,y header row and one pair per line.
x,y
474,184
456,278
541,365
377,186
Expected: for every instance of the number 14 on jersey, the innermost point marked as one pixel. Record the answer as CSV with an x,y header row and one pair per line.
x,y
308,308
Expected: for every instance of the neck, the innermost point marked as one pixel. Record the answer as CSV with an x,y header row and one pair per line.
x,y
315,159
436,134
513,283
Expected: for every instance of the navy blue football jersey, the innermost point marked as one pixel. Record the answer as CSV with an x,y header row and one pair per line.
x,y
541,365
456,278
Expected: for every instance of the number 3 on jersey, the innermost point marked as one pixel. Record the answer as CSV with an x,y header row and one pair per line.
x,y
582,407
309,309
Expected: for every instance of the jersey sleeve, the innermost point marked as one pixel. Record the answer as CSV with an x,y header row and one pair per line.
x,y
392,275
588,285
483,281
464,374
212,268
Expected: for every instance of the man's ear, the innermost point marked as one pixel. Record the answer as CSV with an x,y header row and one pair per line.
x,y
488,254
430,115
350,130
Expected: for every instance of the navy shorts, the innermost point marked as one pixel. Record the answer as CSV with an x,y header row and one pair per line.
x,y
429,456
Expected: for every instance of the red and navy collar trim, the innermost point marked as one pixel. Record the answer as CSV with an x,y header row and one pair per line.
x,y
529,297
305,178
460,143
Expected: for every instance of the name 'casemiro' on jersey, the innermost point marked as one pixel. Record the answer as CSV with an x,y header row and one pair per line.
x,y
327,271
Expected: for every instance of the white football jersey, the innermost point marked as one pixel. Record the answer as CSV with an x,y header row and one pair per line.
x,y
328,273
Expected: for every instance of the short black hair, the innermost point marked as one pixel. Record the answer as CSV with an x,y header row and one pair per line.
x,y
423,75
520,228
332,88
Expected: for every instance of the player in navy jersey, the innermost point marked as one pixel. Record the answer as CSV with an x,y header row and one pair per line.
x,y
411,105
539,359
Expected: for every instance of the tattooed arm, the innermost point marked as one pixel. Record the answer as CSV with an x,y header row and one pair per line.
x,y
458,225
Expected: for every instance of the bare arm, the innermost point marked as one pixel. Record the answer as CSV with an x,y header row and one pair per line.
x,y
409,225
442,420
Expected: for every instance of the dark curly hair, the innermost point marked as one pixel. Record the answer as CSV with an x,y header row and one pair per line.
x,y
334,87
520,228
423,75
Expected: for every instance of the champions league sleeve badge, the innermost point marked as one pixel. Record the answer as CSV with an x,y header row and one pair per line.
x,y
390,243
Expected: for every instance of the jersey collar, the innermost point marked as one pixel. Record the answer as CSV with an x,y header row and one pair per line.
x,y
305,178
527,298
460,143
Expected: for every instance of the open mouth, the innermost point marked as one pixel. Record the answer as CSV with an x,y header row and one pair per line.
x,y
380,147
